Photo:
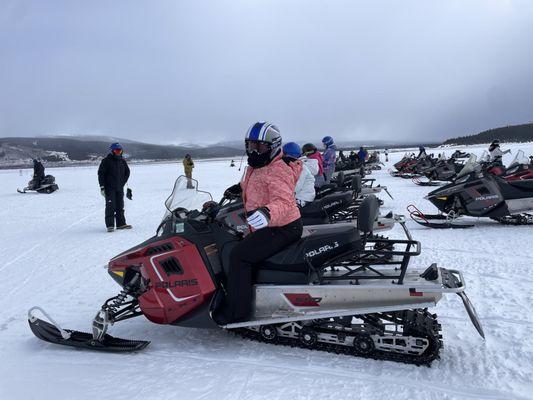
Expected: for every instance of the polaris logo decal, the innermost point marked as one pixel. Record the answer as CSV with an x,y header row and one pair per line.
x,y
332,204
320,250
487,197
182,283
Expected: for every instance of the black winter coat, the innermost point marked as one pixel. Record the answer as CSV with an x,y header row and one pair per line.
x,y
113,173
38,171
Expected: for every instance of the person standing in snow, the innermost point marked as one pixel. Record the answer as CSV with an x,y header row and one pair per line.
x,y
386,155
311,152
329,157
421,152
188,165
113,174
496,154
304,191
363,154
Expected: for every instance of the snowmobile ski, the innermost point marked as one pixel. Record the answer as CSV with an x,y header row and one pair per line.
x,y
53,333
436,221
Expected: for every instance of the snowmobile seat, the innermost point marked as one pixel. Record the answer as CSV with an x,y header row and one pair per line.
x,y
321,208
524,185
368,213
296,263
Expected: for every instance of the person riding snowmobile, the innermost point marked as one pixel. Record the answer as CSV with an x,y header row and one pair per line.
x,y
305,186
311,152
496,154
329,157
421,152
274,218
113,174
38,173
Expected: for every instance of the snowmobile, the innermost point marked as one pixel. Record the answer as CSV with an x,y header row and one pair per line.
x,y
46,185
346,179
521,168
444,170
327,291
478,193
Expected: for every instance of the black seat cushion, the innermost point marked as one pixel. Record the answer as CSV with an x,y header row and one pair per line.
x,y
320,242
327,205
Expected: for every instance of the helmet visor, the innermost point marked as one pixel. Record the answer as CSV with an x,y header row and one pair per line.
x,y
117,152
257,146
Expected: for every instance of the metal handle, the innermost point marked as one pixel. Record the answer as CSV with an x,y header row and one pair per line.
x,y
64,334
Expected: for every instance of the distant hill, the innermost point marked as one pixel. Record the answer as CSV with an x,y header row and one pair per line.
x,y
18,151
511,133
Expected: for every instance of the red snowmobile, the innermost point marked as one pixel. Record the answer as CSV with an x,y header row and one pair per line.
x,y
329,291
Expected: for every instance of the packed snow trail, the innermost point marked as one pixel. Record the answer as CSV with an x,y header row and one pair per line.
x,y
54,249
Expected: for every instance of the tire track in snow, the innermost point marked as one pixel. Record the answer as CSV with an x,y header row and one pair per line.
x,y
37,245
463,392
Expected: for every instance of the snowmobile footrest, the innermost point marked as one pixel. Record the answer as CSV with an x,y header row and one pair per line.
x,y
50,333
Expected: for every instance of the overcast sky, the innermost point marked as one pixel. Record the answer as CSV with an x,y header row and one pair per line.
x,y
203,71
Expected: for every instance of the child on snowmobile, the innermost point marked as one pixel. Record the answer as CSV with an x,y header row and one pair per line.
x,y
268,194
329,157
311,152
305,186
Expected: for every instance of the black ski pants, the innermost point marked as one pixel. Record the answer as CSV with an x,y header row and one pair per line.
x,y
254,248
114,208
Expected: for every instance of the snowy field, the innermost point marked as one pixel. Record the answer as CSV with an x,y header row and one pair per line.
x,y
54,249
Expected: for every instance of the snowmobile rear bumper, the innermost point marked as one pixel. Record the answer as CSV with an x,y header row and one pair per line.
x,y
53,333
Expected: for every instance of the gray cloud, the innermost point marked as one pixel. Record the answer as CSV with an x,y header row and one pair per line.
x,y
175,71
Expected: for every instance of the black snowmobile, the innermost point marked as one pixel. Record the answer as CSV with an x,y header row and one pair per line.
x,y
46,185
329,291
444,170
478,193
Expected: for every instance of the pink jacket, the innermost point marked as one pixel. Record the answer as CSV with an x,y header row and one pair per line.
x,y
317,156
273,187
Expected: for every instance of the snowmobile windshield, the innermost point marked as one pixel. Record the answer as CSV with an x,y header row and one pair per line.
x,y
520,158
470,166
485,156
186,195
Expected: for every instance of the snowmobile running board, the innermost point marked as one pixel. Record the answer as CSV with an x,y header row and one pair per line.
x,y
53,333
437,221
428,288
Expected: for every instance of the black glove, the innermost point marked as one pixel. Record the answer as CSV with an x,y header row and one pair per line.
x,y
233,191
129,194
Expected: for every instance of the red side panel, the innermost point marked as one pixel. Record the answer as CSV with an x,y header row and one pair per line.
x,y
179,281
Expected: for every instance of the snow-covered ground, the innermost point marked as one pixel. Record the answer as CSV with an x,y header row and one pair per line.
x,y
54,247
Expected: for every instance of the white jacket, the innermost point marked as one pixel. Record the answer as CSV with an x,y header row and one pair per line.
x,y
305,187
311,164
497,153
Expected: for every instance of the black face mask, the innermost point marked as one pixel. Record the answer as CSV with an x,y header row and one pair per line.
x,y
256,160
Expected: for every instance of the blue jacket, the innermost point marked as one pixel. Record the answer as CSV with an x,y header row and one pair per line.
x,y
329,156
362,154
